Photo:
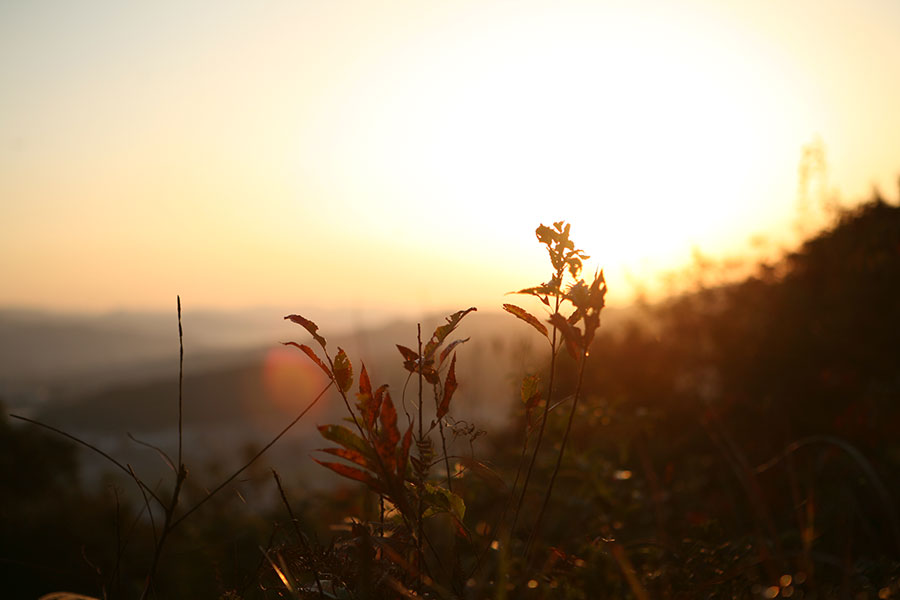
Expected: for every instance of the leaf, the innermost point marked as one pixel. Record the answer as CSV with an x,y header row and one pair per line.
x,y
343,371
531,395
578,294
441,499
365,386
527,317
346,438
408,354
545,235
598,291
446,351
531,391
379,401
411,358
312,355
352,455
311,327
364,400
450,386
389,435
542,292
571,334
430,374
441,333
355,474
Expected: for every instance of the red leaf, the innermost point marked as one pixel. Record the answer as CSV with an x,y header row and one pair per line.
x,y
407,353
411,358
311,327
365,386
312,355
346,438
351,455
430,375
390,435
355,474
527,317
343,371
364,400
379,400
450,386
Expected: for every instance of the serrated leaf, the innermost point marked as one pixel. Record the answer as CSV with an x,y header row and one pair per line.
x,y
343,371
527,317
311,327
312,355
355,474
450,386
541,292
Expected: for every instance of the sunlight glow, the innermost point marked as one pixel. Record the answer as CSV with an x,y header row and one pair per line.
x,y
242,156
290,379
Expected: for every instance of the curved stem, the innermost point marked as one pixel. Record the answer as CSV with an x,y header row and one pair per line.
x,y
540,438
535,532
252,460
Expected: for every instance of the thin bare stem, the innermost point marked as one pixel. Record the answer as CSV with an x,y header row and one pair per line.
x,y
180,381
421,523
300,536
78,440
149,508
535,532
343,394
443,443
234,475
158,450
540,438
166,530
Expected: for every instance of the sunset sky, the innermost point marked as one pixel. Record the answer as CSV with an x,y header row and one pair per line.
x,y
398,155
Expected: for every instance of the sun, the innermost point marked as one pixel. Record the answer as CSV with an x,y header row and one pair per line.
x,y
650,145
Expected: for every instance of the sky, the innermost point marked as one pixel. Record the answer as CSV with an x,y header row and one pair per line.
x,y
392,155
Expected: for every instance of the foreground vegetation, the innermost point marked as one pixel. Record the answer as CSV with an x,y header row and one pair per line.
x,y
736,441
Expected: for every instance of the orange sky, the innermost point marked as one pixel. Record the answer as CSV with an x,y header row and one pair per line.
x,y
400,154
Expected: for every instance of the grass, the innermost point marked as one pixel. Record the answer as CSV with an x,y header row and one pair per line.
x,y
629,470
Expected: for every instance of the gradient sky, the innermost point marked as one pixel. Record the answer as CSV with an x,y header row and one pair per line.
x,y
400,154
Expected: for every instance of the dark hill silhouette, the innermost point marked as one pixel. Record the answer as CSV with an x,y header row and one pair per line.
x,y
752,416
